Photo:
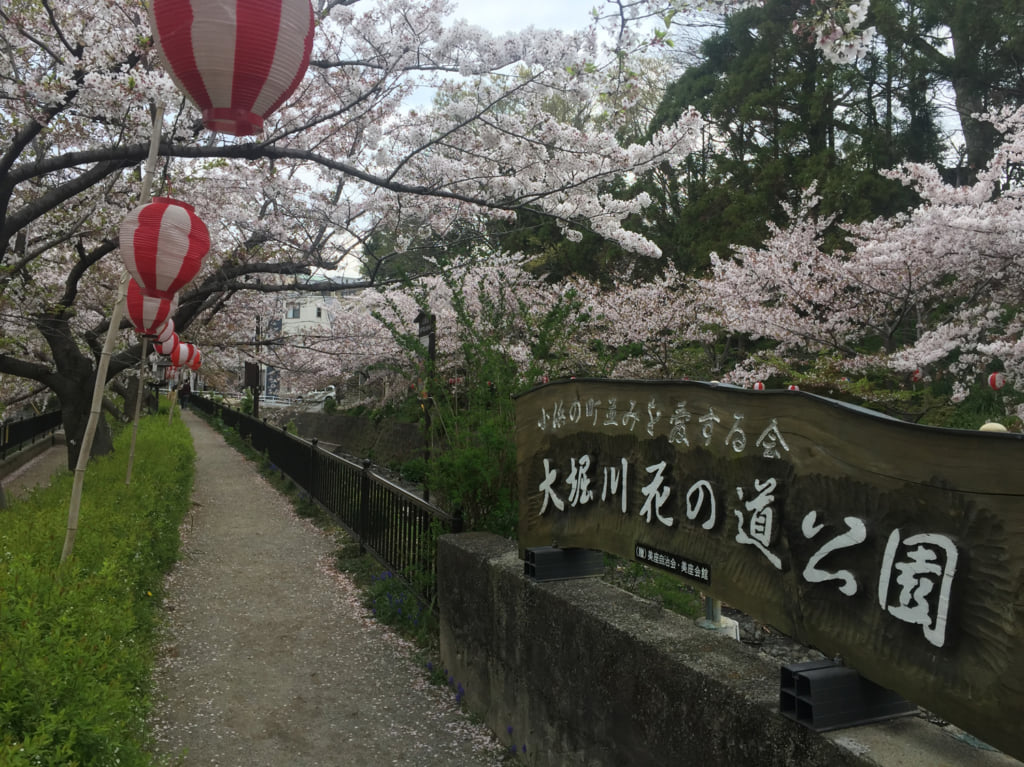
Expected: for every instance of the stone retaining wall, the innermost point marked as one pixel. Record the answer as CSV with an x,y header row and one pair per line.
x,y
386,443
579,673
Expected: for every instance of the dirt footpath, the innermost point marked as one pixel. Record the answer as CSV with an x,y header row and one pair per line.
x,y
269,659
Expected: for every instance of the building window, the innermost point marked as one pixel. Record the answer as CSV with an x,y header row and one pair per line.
x,y
293,312
319,312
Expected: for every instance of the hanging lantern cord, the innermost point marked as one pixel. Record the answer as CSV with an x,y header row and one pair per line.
x,y
104,362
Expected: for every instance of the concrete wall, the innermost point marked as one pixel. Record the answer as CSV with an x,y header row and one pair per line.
x,y
582,673
385,443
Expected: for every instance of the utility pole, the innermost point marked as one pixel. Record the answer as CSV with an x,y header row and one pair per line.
x,y
427,328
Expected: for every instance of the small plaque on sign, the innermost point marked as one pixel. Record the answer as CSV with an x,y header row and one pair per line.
x,y
674,563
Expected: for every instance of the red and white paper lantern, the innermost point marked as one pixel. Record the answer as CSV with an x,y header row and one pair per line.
x,y
162,245
793,387
997,381
165,331
167,347
148,314
237,60
181,354
759,386
197,360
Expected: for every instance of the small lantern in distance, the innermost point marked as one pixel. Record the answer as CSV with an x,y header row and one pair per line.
x,y
237,60
996,381
167,347
181,354
165,332
759,386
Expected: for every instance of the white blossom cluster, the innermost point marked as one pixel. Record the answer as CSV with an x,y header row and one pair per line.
x,y
837,30
951,270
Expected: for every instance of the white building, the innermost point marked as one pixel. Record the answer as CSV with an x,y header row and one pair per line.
x,y
306,311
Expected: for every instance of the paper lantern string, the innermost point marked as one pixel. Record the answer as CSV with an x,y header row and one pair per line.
x,y
167,347
165,332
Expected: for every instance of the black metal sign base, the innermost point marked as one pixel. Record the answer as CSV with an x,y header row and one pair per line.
x,y
548,563
824,695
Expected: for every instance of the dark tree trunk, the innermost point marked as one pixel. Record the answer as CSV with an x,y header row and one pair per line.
x,y
130,391
73,381
75,403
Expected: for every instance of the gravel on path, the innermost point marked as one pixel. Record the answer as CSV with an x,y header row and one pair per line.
x,y
270,660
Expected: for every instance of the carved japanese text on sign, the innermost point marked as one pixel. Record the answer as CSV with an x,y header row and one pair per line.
x,y
914,576
897,546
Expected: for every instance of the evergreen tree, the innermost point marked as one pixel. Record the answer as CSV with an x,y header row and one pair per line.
x,y
780,118
973,49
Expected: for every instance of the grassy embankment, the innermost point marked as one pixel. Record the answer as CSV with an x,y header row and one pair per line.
x,y
78,640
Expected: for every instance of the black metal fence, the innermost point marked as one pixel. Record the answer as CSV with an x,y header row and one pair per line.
x,y
19,432
396,526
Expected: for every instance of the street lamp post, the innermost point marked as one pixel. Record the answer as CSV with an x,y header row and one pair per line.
x,y
427,328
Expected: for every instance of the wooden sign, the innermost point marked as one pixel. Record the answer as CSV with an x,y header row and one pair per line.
x,y
251,377
898,547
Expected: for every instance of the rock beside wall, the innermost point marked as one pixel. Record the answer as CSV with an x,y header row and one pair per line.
x,y
579,673
387,443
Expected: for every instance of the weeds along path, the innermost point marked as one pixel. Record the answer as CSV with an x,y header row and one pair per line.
x,y
269,659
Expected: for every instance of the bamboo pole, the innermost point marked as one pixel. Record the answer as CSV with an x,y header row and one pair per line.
x,y
138,411
104,361
172,399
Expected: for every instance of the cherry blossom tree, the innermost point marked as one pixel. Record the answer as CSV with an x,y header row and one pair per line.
x,y
970,49
935,292
350,153
649,328
406,119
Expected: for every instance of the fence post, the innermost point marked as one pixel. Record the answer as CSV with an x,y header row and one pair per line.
x,y
313,460
364,504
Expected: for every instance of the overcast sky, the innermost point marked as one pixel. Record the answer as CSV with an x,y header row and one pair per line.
x,y
512,15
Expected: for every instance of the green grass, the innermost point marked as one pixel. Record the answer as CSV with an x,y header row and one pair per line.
x,y
77,641
650,583
390,599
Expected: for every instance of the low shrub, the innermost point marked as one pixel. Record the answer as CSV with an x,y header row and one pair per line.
x,y
77,639
414,470
395,604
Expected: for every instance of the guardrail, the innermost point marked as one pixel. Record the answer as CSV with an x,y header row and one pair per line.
x,y
397,527
19,432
